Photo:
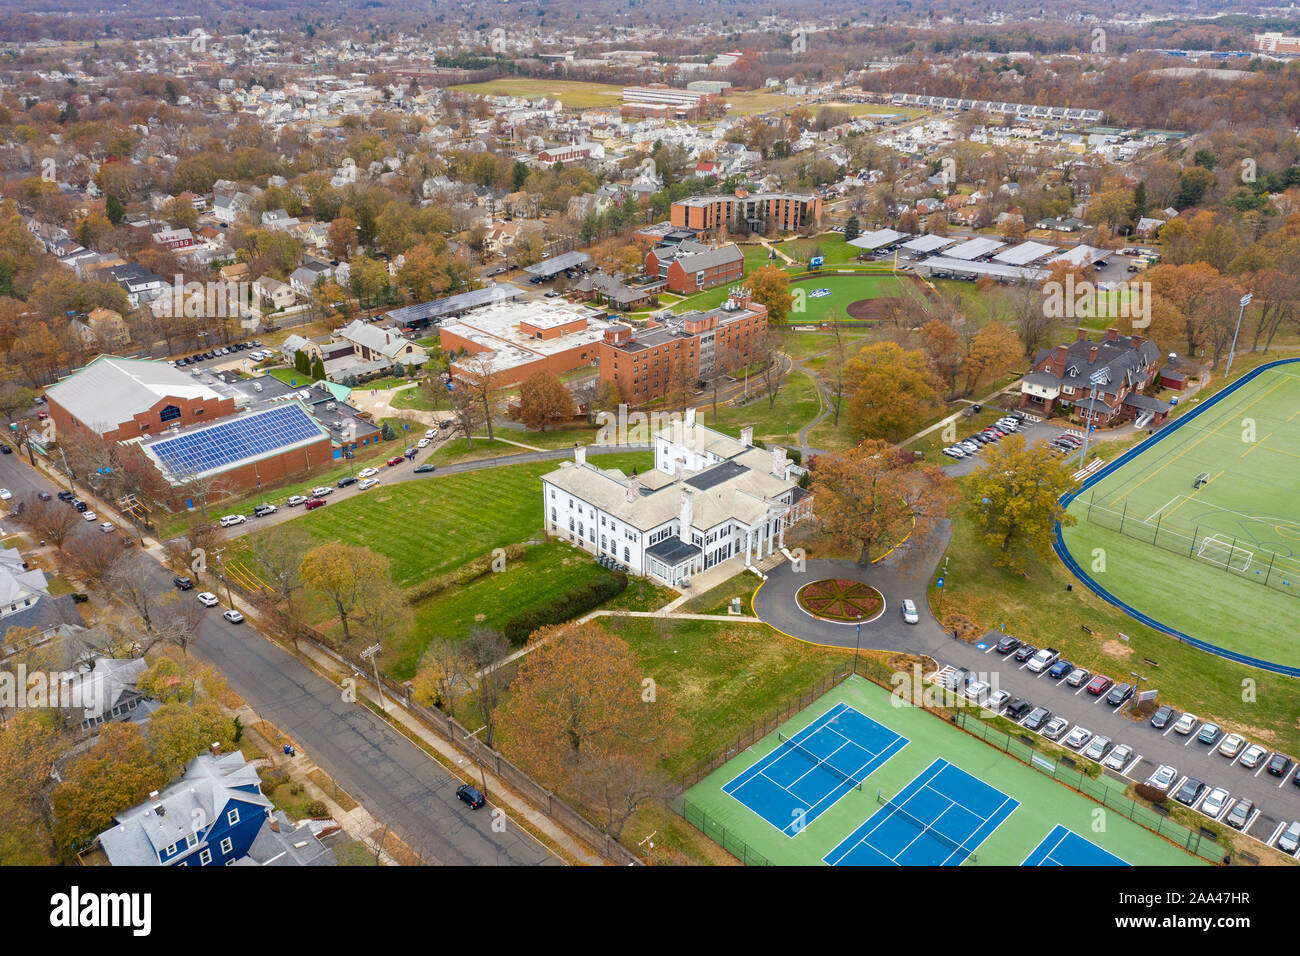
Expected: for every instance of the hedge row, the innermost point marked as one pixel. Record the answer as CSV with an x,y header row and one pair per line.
x,y
463,575
565,607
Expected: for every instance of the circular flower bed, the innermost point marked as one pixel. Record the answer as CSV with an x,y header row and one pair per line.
x,y
840,600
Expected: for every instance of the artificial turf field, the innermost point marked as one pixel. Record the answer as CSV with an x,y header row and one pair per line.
x,y
843,290
1217,544
1016,813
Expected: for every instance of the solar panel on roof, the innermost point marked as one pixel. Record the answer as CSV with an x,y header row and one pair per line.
x,y
236,440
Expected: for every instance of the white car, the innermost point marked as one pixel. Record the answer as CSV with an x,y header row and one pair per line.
x,y
322,491
1214,802
1077,737
422,443
431,433
997,700
90,516
1119,757
228,521
1163,778
5,494
909,612
106,527
1042,660
296,500
977,690
1253,756
233,616
1231,745
366,483
208,599
1097,749
367,472
1186,724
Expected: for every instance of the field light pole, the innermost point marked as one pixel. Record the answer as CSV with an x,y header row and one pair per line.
x,y
1245,301
1097,378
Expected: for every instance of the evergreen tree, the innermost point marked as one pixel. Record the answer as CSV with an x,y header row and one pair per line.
x,y
318,369
852,229
114,209
301,362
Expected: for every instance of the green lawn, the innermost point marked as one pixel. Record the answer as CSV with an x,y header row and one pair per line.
x,y
1043,803
1244,518
574,94
797,403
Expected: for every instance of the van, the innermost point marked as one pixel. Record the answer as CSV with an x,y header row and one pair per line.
x,y
315,503
1289,841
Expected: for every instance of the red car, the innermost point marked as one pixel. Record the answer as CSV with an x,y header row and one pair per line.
x,y
1099,685
313,503
395,460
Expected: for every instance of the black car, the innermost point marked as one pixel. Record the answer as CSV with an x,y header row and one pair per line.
x,y
79,504
1037,717
5,449
471,796
1239,815
43,496
1118,694
1190,791
1007,645
349,480
1161,718
184,584
64,496
1017,708
1279,764
425,468
1025,651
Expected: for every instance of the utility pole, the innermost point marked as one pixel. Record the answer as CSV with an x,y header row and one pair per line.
x,y
371,654
1245,301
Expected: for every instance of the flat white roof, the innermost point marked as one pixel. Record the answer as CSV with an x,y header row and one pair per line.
x,y
878,238
1024,253
992,269
1081,255
927,243
974,248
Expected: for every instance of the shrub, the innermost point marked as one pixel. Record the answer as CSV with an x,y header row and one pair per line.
x,y
795,455
567,606
316,809
1150,793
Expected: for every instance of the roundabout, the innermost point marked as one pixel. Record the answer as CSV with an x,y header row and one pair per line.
x,y
840,601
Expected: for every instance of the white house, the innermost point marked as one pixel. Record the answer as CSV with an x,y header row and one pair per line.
x,y
709,499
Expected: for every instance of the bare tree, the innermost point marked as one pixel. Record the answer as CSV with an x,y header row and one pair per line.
x,y
480,378
483,651
467,414
772,368
278,557
836,358
52,520
92,557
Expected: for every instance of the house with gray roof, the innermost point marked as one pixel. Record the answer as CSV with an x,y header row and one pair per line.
x,y
1098,382
373,344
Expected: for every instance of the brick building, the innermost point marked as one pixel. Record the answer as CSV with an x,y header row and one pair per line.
x,y
1100,382
692,266
782,212
516,339
646,363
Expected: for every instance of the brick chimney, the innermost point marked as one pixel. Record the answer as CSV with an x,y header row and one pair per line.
x,y
1059,359
216,748
1092,355
1136,340
1081,335
1112,334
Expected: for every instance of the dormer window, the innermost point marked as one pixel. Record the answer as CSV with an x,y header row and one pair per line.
x,y
1072,371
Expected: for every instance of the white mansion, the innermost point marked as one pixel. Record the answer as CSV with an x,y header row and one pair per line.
x,y
709,498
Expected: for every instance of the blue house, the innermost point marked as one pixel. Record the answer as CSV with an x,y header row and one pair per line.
x,y
215,815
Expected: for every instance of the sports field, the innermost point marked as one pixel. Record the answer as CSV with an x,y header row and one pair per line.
x,y
854,780
1200,530
574,94
818,296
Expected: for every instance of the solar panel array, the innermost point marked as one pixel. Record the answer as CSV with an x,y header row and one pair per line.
x,y
253,436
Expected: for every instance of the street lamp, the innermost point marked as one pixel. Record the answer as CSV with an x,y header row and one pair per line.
x,y
1245,301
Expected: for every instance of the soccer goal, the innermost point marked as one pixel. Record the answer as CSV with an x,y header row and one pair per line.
x,y
1225,553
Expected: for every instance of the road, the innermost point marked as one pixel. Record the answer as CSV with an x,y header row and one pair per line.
x,y
396,781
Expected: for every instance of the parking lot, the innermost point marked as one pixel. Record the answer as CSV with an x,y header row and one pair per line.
x,y
1054,439
1258,791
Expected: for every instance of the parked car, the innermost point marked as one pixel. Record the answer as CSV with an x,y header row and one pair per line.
x,y
1190,791
976,691
1186,724
997,700
107,527
1288,841
346,481
958,678
1231,745
1054,728
396,460
1097,748
314,503
1119,757
470,795
1240,814
425,468
422,443
367,472
1018,708
1118,694
431,433
367,483
1059,669
1252,756
296,500
1006,645
1078,737
1042,660
233,616
208,599
183,583
1163,715
1214,802
228,521
261,511
5,494
1025,651
1278,765
909,612
64,496
1078,677
322,491
1162,778
90,516
80,505
1209,733
1099,685
1037,718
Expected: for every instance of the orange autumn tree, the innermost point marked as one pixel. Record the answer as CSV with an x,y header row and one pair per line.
x,y
584,718
875,496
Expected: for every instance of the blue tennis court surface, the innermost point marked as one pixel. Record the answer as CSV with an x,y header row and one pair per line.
x,y
1064,847
939,819
803,777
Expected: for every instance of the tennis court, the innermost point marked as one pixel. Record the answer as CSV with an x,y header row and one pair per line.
x,y
1210,507
1064,847
939,819
809,772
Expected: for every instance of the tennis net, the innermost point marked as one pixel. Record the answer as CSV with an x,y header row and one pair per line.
x,y
795,745
924,827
